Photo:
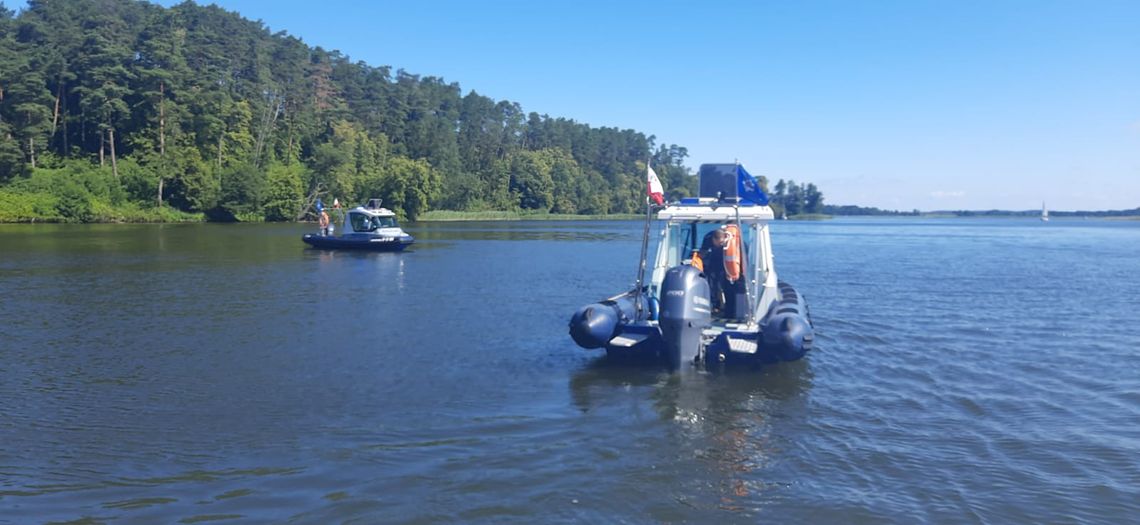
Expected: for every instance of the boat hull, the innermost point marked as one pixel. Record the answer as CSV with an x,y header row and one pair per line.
x,y
356,241
784,334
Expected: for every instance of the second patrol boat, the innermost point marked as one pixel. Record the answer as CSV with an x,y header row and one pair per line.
x,y
370,227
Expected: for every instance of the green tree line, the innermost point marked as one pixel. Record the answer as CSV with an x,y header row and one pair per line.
x,y
795,199
125,110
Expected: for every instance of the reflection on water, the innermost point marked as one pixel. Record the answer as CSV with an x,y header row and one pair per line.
x,y
724,388
381,269
728,419
527,231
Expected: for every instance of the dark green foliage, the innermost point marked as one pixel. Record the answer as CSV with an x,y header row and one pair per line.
x,y
243,189
196,186
795,199
859,210
11,158
139,176
531,185
408,186
140,107
284,193
74,203
813,199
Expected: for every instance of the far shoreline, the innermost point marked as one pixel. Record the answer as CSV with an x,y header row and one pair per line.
x,y
514,216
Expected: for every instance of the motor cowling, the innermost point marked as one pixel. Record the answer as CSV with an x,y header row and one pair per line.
x,y
685,313
593,325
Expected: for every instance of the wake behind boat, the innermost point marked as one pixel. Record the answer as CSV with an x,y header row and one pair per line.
x,y
713,296
369,227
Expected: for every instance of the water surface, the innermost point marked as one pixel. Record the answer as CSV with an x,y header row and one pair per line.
x,y
966,371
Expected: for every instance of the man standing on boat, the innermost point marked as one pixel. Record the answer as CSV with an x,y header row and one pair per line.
x,y
324,222
710,260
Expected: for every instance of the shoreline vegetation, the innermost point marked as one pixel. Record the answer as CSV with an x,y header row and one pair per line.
x,y
23,210
120,111
125,111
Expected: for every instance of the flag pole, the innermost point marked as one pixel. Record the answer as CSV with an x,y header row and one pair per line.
x,y
743,251
744,274
644,248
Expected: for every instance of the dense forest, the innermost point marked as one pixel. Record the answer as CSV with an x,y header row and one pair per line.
x,y
121,110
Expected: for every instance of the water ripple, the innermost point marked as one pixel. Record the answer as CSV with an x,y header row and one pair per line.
x,y
965,372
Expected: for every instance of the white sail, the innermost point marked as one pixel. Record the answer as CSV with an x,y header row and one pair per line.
x,y
1044,212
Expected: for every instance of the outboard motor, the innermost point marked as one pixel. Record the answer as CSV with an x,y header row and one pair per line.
x,y
593,325
788,332
685,313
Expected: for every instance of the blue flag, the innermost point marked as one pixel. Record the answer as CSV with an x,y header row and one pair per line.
x,y
747,187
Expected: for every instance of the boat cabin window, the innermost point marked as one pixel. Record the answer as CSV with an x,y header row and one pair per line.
x,y
362,222
681,239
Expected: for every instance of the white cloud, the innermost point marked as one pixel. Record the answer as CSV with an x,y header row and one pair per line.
x,y
947,194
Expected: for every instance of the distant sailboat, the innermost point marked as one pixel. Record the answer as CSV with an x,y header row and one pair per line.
x,y
1044,213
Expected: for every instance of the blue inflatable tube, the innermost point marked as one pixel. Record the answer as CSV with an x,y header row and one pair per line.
x,y
787,328
593,325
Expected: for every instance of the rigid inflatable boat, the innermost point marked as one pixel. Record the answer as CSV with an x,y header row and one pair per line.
x,y
713,297
369,227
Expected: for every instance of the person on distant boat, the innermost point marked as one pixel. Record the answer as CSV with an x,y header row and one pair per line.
x,y
326,227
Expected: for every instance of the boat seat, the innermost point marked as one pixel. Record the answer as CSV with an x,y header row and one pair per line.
x,y
736,304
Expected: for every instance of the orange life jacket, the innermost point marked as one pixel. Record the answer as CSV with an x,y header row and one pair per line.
x,y
733,263
697,262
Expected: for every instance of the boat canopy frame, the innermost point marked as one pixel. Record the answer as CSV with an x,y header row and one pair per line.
x,y
685,226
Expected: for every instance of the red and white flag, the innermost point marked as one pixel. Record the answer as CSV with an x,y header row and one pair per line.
x,y
655,191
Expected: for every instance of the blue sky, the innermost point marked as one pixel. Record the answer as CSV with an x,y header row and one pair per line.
x,y
895,104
